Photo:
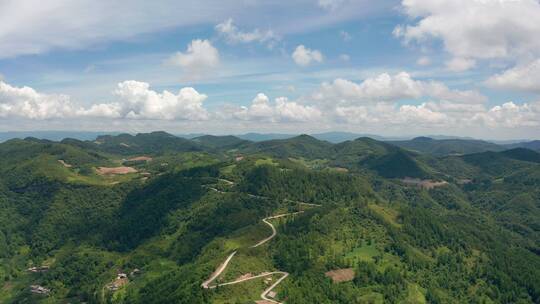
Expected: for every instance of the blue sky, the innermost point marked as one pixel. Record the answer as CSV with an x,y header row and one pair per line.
x,y
411,67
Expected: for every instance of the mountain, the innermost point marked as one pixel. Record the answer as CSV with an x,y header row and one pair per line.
x,y
300,146
446,146
387,160
145,143
220,142
522,154
533,145
282,219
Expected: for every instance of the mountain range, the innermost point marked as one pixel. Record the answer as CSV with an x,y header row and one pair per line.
x,y
158,218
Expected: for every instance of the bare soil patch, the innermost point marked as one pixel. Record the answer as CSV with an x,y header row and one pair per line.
x,y
341,275
115,170
117,283
424,183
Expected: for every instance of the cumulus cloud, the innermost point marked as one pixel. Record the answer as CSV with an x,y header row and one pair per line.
x,y
234,35
390,88
200,56
467,27
385,100
420,114
511,115
26,102
137,101
282,110
392,115
303,56
134,100
521,78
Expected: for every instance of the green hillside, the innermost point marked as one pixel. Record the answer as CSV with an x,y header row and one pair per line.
x,y
443,147
532,145
144,143
220,142
522,154
348,229
299,146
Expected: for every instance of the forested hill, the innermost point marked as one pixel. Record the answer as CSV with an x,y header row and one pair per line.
x,y
149,218
447,146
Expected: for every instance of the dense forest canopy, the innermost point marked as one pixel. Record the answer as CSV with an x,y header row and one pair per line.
x,y
148,218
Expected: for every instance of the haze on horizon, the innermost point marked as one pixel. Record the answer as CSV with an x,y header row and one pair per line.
x,y
466,68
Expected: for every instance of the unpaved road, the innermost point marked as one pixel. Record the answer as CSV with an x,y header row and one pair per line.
x,y
274,232
223,266
218,271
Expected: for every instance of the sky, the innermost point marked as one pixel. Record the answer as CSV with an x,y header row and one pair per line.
x,y
387,67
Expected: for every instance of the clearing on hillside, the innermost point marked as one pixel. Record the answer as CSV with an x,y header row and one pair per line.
x,y
424,183
341,275
115,170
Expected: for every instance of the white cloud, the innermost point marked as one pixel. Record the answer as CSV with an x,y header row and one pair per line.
x,y
345,36
393,101
459,64
234,35
474,29
443,116
200,57
134,101
303,56
511,115
26,102
520,78
423,61
391,88
392,115
137,101
282,110
420,114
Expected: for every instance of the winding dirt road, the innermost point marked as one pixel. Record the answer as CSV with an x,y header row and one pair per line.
x,y
264,295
